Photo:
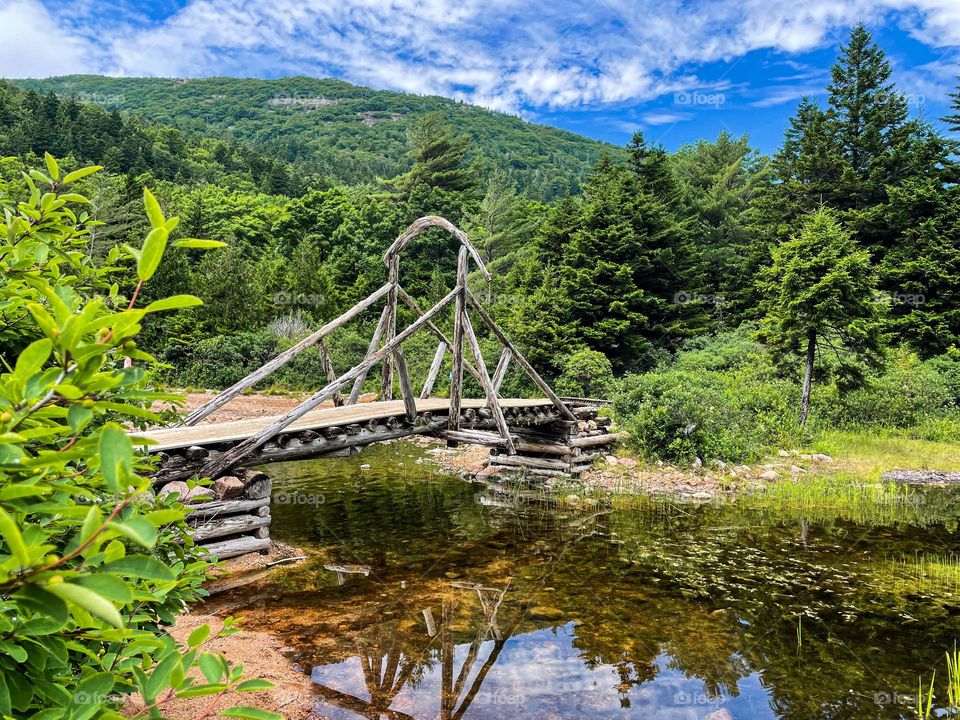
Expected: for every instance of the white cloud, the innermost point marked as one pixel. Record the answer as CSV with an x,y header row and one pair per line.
x,y
664,118
512,55
34,44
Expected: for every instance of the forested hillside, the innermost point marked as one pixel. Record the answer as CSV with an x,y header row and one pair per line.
x,y
337,130
717,292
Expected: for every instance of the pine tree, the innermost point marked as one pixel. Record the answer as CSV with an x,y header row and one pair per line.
x,y
819,293
870,118
438,159
953,120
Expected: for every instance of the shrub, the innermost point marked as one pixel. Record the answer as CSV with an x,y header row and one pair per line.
x,y
92,565
586,373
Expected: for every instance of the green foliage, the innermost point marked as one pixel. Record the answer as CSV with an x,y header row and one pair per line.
x,y
586,373
92,564
720,400
819,294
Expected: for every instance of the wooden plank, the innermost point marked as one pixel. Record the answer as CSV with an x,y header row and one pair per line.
x,y
524,461
328,369
487,383
236,546
234,455
282,359
409,401
374,344
521,360
434,370
501,370
176,439
595,440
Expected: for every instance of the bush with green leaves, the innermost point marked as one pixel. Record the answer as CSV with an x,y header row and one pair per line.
x,y
93,566
586,373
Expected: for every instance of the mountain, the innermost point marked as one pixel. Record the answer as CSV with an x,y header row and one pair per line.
x,y
346,132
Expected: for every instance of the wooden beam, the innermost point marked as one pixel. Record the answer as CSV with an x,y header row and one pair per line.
x,y
328,369
234,455
521,360
409,401
432,327
421,224
501,370
282,359
386,378
456,380
487,383
372,348
434,370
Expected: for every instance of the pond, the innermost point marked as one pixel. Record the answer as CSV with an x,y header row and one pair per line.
x,y
426,596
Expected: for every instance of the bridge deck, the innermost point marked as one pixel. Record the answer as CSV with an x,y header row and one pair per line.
x,y
213,433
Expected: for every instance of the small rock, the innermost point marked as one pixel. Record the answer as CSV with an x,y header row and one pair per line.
x,y
796,470
720,464
697,462
783,453
820,457
702,496
177,486
198,493
228,487
629,463
742,469
659,463
769,475
611,460
572,499
365,466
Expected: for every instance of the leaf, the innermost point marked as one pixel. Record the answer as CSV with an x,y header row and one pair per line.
x,y
137,529
116,457
81,173
91,695
253,685
14,540
197,637
32,358
250,713
106,585
197,244
78,417
176,302
52,166
153,209
141,566
210,667
151,253
89,600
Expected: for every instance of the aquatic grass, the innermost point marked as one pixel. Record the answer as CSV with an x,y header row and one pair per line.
x,y
925,707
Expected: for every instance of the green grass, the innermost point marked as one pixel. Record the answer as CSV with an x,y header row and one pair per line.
x,y
866,455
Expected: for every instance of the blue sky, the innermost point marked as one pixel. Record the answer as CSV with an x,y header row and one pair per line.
x,y
677,69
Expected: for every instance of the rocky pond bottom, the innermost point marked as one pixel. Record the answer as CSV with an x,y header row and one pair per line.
x,y
429,597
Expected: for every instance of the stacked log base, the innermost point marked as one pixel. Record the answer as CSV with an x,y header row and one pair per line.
x,y
230,527
559,448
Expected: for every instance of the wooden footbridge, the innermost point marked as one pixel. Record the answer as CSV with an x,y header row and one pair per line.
x,y
551,436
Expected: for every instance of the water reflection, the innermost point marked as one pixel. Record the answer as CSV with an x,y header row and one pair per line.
x,y
428,597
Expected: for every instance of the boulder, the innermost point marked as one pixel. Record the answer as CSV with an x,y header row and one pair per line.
x,y
228,487
820,457
198,493
769,475
177,486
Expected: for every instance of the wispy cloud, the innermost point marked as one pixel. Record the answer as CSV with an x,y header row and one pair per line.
x,y
511,55
664,118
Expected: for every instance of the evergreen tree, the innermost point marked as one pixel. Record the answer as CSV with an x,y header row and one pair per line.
x,y
438,159
819,292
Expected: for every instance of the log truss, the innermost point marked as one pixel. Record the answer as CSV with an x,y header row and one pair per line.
x,y
386,348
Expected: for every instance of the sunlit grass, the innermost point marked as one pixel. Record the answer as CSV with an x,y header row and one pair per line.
x,y
867,455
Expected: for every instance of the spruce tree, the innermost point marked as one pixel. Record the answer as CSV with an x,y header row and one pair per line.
x,y
819,294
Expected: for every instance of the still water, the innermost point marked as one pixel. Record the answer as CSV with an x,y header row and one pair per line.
x,y
429,597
